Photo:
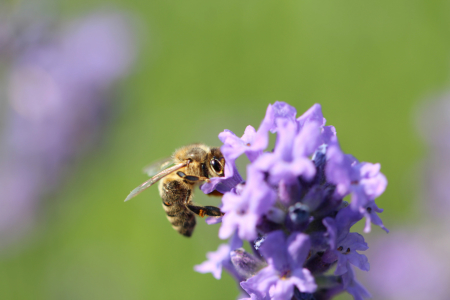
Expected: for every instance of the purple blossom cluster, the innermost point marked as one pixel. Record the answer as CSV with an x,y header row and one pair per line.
x,y
55,97
291,210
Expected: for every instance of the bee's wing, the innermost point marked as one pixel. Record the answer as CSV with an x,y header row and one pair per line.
x,y
157,166
154,179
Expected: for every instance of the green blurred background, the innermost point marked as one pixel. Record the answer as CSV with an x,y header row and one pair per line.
x,y
205,66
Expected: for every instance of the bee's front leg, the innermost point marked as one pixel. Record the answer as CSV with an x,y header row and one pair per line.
x,y
192,178
202,211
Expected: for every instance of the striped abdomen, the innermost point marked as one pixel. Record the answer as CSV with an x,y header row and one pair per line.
x,y
174,196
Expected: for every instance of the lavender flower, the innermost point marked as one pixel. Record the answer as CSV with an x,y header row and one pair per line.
x,y
291,209
57,87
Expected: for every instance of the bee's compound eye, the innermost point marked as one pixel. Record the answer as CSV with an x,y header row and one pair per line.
x,y
217,166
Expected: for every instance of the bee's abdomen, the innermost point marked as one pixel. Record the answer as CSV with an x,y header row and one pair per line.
x,y
174,196
184,222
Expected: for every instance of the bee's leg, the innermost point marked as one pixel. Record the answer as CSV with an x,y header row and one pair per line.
x,y
202,211
215,193
192,178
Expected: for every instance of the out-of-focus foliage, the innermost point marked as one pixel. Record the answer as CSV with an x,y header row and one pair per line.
x,y
204,66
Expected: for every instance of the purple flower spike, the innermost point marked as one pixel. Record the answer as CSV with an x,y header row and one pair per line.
x,y
295,189
285,270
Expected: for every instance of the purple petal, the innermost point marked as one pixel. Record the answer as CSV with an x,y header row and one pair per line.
x,y
298,248
274,250
261,282
330,224
354,241
308,139
213,220
229,225
257,192
304,280
312,114
215,260
234,146
353,287
373,181
339,168
358,260
235,242
359,197
279,110
328,133
347,253
283,289
371,213
345,219
286,133
341,266
244,224
242,212
289,172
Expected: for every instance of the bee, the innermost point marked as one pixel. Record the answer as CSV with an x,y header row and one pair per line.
x,y
191,165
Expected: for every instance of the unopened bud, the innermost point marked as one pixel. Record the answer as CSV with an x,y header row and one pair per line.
x,y
245,263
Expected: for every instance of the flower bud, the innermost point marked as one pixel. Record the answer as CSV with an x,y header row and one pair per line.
x,y
245,263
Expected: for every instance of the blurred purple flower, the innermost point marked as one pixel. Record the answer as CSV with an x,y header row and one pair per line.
x,y
433,124
58,89
410,265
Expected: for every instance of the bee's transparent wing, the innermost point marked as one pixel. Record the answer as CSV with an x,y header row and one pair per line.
x,y
154,179
157,166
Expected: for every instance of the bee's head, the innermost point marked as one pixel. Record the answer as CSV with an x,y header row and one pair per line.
x,y
216,163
